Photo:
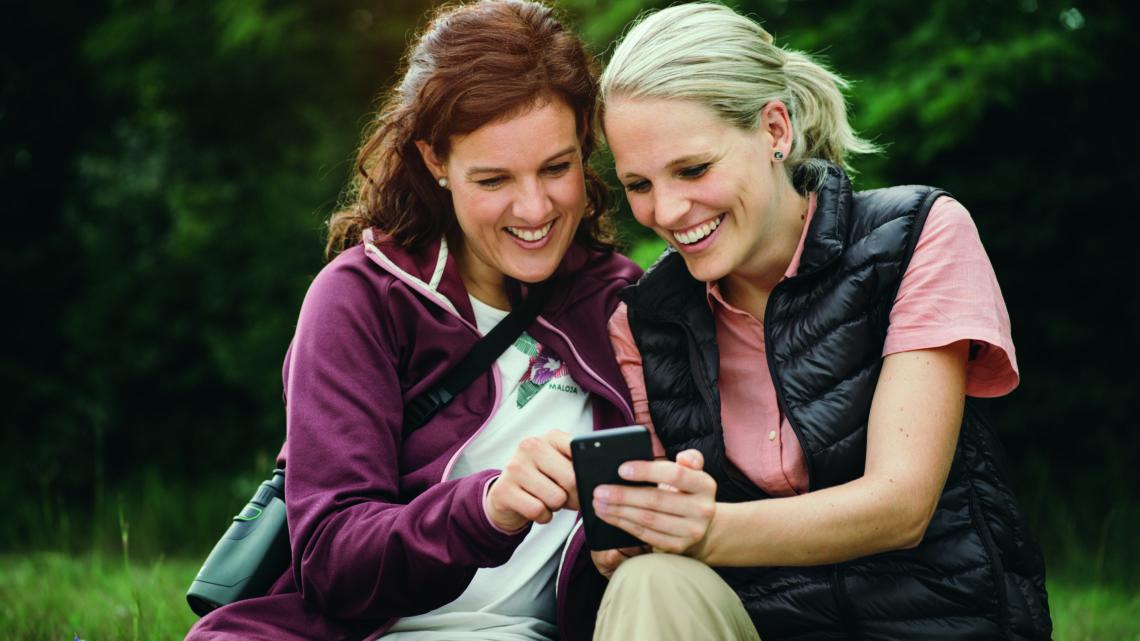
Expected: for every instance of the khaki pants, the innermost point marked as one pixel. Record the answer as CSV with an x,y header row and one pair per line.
x,y
665,597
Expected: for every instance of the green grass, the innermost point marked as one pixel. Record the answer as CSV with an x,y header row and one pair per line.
x,y
119,571
48,596
54,597
124,576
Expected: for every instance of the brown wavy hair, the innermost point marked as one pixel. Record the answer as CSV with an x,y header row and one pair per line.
x,y
473,65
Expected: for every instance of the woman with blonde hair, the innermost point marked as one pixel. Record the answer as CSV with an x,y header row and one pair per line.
x,y
813,362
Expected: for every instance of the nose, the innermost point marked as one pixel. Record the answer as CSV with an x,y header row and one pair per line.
x,y
533,204
669,206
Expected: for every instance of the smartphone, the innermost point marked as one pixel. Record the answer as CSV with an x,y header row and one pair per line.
x,y
596,458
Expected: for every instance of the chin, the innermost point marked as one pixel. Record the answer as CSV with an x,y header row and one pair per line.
x,y
532,274
535,268
704,270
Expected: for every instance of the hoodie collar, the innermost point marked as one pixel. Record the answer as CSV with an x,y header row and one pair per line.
x,y
434,271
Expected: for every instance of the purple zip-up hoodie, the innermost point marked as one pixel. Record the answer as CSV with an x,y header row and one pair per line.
x,y
377,532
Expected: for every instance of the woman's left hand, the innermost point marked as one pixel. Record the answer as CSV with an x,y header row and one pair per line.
x,y
675,516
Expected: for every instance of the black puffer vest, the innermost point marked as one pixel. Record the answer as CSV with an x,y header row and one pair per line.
x,y
978,573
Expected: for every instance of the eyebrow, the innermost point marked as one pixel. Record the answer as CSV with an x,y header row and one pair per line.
x,y
498,170
677,162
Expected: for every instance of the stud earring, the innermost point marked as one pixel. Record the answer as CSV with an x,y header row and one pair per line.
x,y
779,155
443,182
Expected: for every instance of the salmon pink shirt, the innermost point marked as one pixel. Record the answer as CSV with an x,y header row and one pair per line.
x,y
948,293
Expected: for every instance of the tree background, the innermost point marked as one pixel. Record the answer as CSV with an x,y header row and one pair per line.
x,y
166,168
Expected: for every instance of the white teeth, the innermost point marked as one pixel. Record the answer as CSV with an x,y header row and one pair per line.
x,y
690,237
529,235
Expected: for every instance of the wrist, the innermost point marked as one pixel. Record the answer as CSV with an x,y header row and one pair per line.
x,y
505,521
704,550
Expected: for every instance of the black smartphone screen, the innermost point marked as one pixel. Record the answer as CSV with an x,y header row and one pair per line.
x,y
596,458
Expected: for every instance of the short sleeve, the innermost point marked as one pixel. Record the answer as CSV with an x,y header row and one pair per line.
x,y
629,360
950,293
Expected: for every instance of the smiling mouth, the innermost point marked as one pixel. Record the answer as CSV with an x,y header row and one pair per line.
x,y
530,234
698,233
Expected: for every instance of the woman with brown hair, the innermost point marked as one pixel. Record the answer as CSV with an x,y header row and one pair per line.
x,y
474,186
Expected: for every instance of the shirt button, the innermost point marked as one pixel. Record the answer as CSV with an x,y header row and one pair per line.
x,y
772,435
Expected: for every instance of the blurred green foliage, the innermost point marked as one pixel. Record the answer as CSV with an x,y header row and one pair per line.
x,y
173,163
166,167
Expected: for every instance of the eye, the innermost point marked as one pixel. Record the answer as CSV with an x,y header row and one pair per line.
x,y
638,187
491,183
696,171
557,169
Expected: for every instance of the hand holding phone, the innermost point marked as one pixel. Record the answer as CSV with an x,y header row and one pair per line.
x,y
596,459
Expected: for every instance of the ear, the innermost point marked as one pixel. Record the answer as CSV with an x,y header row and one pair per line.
x,y
434,165
775,122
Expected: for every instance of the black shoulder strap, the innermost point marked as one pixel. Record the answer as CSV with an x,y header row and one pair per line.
x,y
420,410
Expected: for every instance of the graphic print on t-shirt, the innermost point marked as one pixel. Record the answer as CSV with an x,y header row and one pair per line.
x,y
516,600
544,370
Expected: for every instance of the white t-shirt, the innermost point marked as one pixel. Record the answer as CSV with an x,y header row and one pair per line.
x,y
515,601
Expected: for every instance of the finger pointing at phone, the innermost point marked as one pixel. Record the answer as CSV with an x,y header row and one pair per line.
x,y
674,516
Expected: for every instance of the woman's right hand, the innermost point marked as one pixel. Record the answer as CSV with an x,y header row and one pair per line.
x,y
537,482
